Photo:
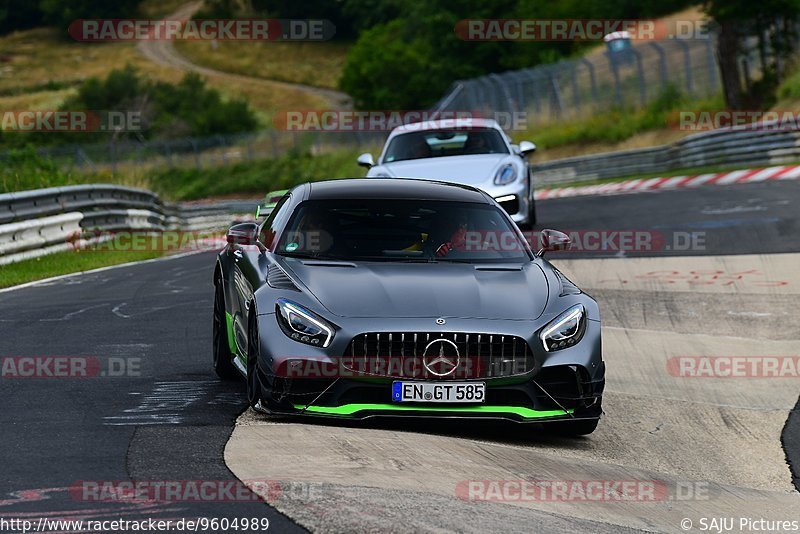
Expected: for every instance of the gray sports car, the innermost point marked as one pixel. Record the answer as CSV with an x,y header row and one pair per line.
x,y
404,297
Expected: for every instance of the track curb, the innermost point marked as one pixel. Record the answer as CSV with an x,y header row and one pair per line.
x,y
742,176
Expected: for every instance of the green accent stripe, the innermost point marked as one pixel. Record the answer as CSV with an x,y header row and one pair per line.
x,y
350,409
231,338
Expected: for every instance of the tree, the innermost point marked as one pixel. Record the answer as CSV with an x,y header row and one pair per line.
x,y
771,24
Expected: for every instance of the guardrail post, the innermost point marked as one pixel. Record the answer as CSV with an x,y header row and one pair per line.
x,y
224,147
592,80
712,66
662,64
196,154
687,64
112,150
640,72
532,77
558,103
617,84
168,154
519,85
576,97
503,84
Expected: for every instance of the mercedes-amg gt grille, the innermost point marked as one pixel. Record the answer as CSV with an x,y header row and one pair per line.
x,y
438,355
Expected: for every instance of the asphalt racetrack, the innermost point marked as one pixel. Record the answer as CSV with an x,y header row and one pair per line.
x,y
154,410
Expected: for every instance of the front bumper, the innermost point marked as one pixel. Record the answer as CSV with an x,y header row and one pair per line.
x,y
514,198
563,385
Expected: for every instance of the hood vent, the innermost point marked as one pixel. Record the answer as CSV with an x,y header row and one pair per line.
x,y
278,279
567,287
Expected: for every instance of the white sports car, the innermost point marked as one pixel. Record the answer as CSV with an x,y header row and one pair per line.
x,y
474,152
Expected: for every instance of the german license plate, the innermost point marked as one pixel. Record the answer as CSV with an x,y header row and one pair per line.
x,y
438,392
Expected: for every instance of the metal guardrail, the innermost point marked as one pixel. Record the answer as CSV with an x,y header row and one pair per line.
x,y
44,221
579,88
716,148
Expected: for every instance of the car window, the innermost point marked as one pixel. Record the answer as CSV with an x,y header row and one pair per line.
x,y
439,143
269,228
401,230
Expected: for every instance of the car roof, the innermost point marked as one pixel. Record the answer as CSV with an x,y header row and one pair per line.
x,y
445,124
394,188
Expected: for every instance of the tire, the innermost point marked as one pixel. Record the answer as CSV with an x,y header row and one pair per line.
x,y
581,427
253,351
222,355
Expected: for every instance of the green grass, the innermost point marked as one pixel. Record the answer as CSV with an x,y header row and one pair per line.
x,y
25,170
256,177
315,64
66,263
616,125
789,88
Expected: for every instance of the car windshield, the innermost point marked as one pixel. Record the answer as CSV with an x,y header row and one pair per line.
x,y
402,231
439,143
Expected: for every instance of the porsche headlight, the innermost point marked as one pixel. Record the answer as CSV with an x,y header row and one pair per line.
x,y
303,325
505,175
565,330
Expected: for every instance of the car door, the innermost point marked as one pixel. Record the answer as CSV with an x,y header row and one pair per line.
x,y
249,271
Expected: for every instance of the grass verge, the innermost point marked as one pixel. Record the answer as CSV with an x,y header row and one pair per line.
x,y
40,69
614,126
67,263
253,177
315,64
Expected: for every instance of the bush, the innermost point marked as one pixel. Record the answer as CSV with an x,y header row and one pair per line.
x,y
188,108
387,70
61,13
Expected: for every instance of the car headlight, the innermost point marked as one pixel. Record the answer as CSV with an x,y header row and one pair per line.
x,y
565,330
303,325
505,175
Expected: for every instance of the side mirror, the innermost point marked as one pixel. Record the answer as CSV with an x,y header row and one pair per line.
x,y
365,160
244,234
526,148
553,241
